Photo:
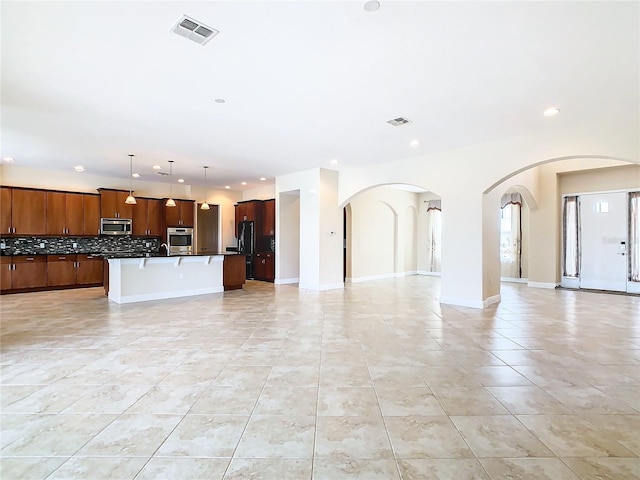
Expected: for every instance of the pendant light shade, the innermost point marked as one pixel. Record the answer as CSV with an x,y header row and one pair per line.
x,y
205,205
131,200
171,202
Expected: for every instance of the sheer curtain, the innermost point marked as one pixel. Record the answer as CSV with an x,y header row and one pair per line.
x,y
570,238
634,236
434,217
510,236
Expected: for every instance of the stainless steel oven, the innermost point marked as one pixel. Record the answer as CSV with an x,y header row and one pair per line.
x,y
180,241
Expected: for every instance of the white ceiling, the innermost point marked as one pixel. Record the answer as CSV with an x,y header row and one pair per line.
x,y
305,82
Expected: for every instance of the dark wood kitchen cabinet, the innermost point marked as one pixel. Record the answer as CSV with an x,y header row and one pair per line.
x,y
181,215
25,211
91,214
112,204
269,217
5,210
29,271
61,270
264,266
65,213
6,270
147,217
89,270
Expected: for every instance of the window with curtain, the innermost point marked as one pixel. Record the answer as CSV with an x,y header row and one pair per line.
x,y
570,238
634,236
434,218
510,235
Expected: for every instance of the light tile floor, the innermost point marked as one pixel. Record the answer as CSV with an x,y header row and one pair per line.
x,y
378,381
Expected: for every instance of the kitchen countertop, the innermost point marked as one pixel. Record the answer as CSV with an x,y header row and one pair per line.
x,y
109,255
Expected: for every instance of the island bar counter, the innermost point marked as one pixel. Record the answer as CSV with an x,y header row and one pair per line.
x,y
141,279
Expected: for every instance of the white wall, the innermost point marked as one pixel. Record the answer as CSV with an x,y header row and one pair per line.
x,y
462,176
266,192
384,233
320,252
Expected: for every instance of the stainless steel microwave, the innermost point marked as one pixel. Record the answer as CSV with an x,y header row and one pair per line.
x,y
115,226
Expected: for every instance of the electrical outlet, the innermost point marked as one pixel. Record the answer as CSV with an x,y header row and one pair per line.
x,y
147,244
3,245
75,245
41,244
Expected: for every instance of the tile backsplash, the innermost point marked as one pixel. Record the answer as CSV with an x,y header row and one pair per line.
x,y
66,245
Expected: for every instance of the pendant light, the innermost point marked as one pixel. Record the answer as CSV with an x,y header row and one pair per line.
x,y
131,200
171,202
205,205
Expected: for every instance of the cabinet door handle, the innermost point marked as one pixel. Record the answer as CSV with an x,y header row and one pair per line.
x,y
30,259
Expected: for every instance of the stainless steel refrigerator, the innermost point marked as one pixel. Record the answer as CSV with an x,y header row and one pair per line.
x,y
246,244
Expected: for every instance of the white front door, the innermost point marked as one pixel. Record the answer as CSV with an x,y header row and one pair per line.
x,y
603,225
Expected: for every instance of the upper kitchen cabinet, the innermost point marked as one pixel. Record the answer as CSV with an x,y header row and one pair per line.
x,y
24,211
65,213
112,204
181,215
251,211
269,217
91,214
147,217
5,210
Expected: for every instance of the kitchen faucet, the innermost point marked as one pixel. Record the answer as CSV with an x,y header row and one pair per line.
x,y
166,248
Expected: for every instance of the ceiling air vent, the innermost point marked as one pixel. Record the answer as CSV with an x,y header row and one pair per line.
x,y
396,122
193,30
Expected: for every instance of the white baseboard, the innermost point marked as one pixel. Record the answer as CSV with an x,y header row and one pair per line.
x,y
432,274
285,281
487,302
514,280
163,295
367,278
542,285
464,302
322,288
407,274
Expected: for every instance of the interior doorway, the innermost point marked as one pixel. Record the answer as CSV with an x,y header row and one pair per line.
x,y
207,222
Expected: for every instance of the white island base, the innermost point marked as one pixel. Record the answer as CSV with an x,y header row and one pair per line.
x,y
154,278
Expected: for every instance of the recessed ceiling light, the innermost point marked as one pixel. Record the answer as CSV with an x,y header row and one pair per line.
x,y
135,175
334,162
414,143
181,180
220,100
8,160
551,111
227,187
262,179
157,167
79,168
243,183
371,5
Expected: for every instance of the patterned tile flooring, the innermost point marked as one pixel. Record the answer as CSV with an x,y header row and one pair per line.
x,y
378,381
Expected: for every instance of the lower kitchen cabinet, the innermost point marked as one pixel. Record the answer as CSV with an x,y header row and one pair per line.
x,y
6,270
21,273
89,270
61,270
27,271
264,266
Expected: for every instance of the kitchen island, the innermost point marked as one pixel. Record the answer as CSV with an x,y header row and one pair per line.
x,y
143,278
